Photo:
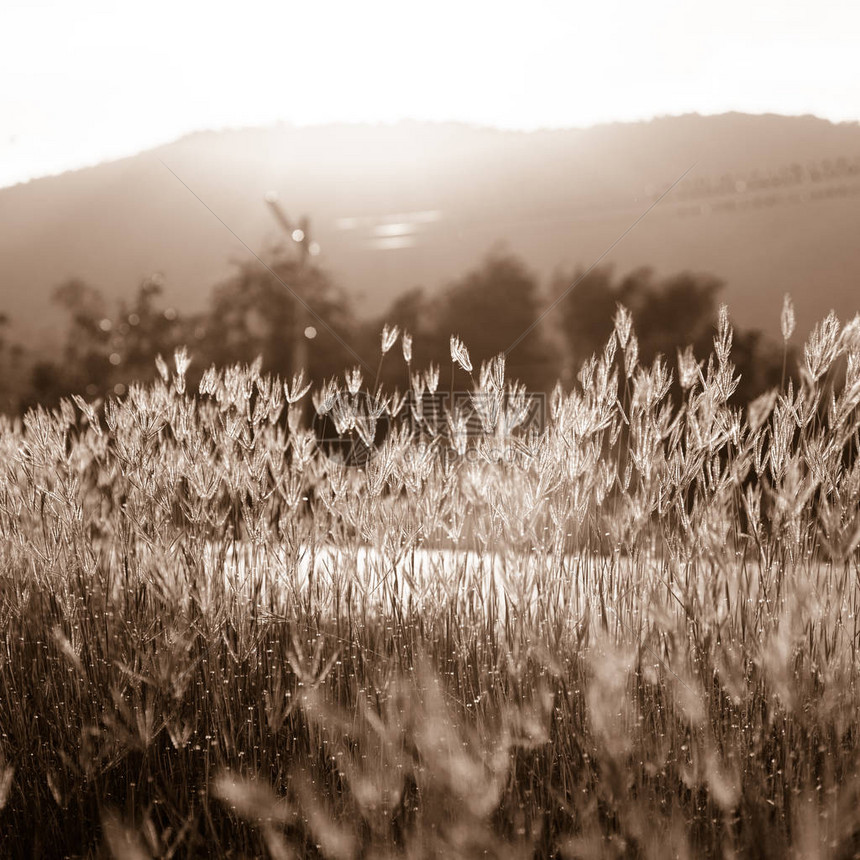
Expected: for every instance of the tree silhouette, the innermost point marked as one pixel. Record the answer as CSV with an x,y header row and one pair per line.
x,y
145,329
253,314
103,351
668,315
678,311
85,365
12,380
584,314
490,309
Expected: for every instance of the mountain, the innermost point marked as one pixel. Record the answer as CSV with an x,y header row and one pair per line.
x,y
770,204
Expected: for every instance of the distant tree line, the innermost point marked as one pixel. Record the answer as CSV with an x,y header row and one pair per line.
x,y
500,305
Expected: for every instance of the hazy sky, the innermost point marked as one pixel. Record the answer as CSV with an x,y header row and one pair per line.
x,y
85,81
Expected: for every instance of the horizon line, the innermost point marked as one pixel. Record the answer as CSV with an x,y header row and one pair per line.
x,y
474,125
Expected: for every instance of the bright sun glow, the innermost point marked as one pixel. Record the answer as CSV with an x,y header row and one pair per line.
x,y
80,82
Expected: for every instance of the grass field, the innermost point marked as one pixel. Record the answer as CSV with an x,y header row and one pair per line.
x,y
632,633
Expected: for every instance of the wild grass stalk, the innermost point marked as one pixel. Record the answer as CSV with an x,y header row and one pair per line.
x,y
633,634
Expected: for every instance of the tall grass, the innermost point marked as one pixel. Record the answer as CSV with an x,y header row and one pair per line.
x,y
633,633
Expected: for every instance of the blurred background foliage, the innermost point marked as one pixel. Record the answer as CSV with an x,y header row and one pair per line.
x,y
498,305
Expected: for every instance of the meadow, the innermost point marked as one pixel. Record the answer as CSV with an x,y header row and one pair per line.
x,y
629,632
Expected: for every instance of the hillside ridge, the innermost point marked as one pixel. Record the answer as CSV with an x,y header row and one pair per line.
x,y
771,206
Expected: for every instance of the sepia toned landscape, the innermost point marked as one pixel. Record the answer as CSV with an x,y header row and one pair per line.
x,y
429,433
